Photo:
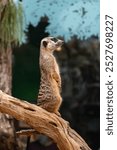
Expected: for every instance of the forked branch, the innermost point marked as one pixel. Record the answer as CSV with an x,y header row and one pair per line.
x,y
43,122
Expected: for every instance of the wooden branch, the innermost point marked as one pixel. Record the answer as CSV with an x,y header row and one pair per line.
x,y
43,122
27,132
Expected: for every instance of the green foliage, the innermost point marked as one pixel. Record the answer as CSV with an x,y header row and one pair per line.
x,y
11,24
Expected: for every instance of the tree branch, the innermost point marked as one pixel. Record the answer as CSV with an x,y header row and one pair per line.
x,y
43,122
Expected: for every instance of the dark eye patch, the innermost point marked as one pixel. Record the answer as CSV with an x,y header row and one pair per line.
x,y
44,43
54,39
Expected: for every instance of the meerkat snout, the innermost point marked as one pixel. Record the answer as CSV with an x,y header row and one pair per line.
x,y
59,43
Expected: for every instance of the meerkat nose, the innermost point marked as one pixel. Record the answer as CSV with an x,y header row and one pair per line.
x,y
61,42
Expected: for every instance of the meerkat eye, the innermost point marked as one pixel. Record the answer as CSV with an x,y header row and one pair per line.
x,y
54,39
44,43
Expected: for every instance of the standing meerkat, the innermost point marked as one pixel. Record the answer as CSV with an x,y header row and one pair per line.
x,y
49,96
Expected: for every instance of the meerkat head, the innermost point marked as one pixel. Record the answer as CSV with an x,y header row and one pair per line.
x,y
51,44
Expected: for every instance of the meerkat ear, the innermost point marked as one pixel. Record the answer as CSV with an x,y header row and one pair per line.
x,y
44,44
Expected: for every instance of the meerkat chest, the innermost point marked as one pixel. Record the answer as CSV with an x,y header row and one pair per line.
x,y
49,65
56,66
52,63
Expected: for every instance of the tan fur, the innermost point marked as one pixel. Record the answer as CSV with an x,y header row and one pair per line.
x,y
49,96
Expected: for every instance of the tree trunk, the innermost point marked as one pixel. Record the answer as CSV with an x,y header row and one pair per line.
x,y
7,130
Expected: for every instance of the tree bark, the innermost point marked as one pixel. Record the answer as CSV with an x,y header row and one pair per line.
x,y
43,122
7,130
8,139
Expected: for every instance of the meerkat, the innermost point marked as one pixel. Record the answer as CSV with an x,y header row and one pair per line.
x,y
49,97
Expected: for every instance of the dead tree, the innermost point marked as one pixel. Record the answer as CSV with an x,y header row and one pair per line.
x,y
43,122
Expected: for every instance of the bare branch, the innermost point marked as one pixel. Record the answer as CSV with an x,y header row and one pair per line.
x,y
43,122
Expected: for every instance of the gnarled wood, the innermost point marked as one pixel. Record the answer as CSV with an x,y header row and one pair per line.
x,y
43,122
8,139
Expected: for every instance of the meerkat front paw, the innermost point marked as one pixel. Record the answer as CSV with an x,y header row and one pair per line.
x,y
58,114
